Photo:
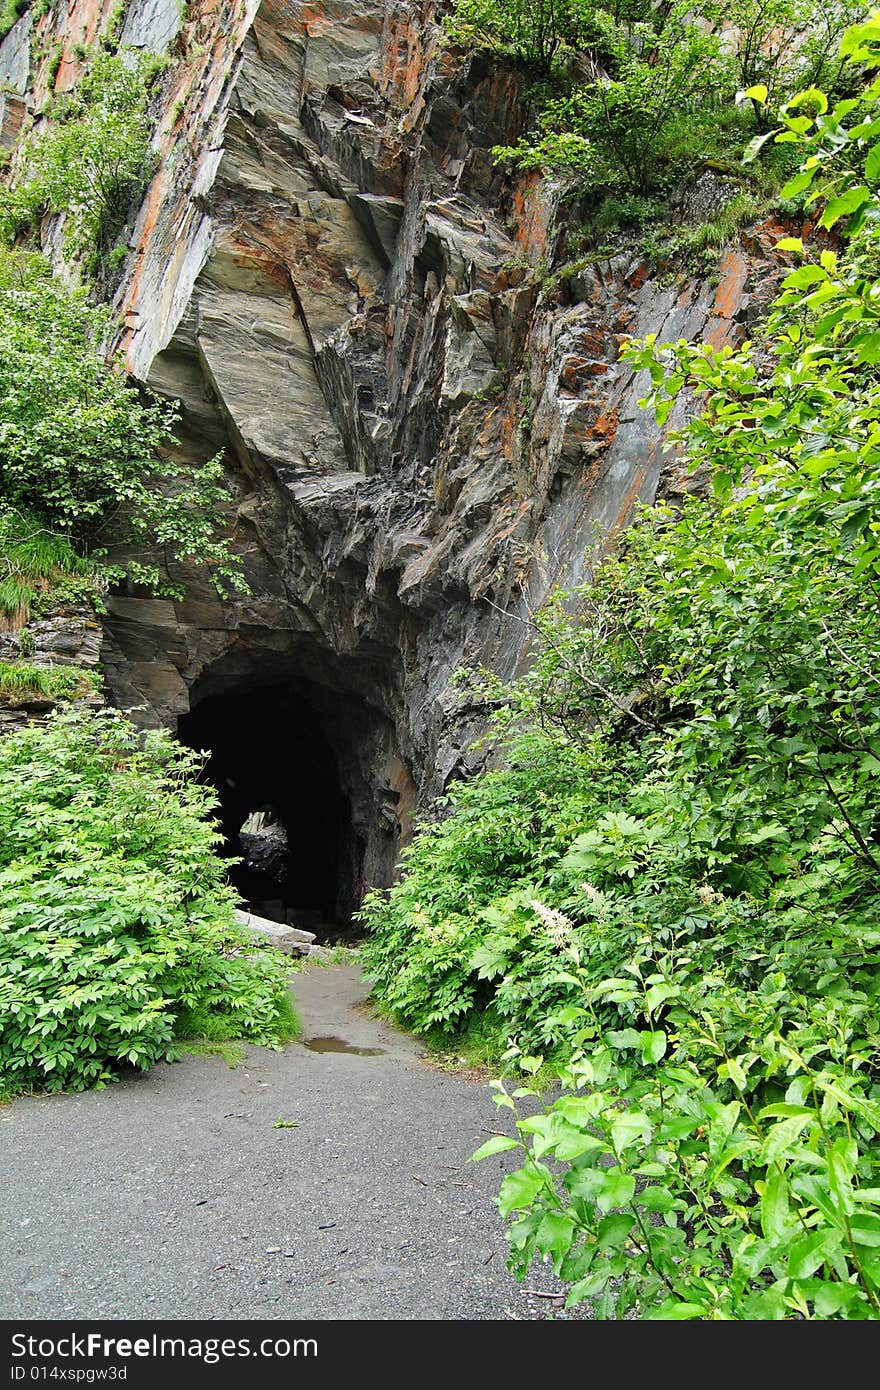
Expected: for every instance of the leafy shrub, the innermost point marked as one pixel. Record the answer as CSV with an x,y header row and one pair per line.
x,y
616,128
687,1175
84,450
635,97
694,928
91,161
787,45
116,926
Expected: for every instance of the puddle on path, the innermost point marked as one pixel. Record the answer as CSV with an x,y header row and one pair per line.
x,y
331,1044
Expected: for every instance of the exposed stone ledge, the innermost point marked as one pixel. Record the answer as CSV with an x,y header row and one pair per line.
x,y
292,941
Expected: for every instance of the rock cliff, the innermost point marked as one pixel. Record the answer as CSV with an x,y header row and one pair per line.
x,y
424,431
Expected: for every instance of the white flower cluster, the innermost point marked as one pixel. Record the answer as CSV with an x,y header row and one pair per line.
x,y
559,928
707,895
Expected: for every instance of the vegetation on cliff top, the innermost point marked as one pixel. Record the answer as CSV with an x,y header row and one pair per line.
x,y
90,162
85,451
81,448
670,888
632,102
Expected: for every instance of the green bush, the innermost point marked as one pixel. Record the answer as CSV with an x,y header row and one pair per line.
x,y
633,98
86,452
674,886
617,129
117,932
91,161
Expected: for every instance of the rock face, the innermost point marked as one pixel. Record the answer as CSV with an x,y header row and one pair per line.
x,y
349,299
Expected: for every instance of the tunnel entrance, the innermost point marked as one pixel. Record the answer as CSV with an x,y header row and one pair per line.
x,y
282,808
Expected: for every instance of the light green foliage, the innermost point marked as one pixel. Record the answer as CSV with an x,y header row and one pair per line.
x,y
88,454
91,161
685,1176
19,680
674,886
37,568
116,926
10,12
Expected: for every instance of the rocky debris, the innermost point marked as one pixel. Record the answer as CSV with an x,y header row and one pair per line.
x,y
68,637
290,940
266,851
704,195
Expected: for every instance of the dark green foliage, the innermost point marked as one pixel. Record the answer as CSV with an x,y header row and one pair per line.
x,y
619,129
116,925
636,98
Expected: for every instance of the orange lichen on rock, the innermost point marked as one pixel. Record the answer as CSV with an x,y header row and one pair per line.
x,y
531,215
408,44
733,273
605,427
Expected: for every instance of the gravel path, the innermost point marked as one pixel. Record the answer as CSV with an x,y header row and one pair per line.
x,y
173,1195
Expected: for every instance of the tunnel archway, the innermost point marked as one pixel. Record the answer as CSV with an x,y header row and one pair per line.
x,y
283,809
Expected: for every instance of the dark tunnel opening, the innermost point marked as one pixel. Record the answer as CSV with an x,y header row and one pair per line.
x,y
282,808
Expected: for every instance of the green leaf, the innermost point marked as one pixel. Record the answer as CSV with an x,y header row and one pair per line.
x,y
844,205
865,1228
660,994
804,276
613,1231
733,1069
653,1045
498,1144
674,1311
555,1234
774,1205
519,1189
872,164
628,1128
615,1188
809,1254
798,184
782,1136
